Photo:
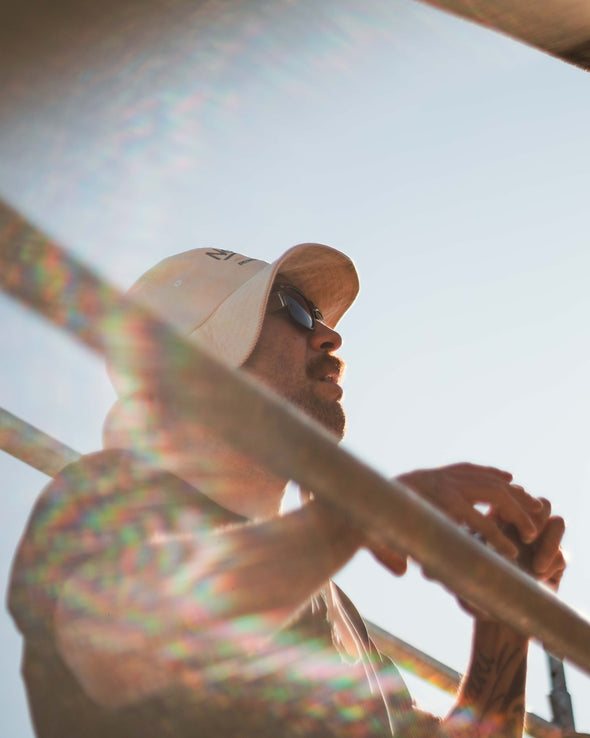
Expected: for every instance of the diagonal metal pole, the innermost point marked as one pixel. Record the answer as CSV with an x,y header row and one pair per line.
x,y
33,446
41,275
561,702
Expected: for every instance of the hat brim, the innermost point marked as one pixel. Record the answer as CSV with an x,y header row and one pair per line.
x,y
326,276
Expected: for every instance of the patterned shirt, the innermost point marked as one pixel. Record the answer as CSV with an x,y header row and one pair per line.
x,y
99,524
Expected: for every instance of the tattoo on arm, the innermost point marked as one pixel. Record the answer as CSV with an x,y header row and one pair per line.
x,y
495,688
513,705
478,677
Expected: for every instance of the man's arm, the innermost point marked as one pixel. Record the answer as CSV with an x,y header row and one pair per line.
x,y
491,700
492,696
196,596
174,564
493,692
167,591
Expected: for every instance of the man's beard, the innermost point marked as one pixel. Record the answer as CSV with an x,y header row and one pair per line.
x,y
330,414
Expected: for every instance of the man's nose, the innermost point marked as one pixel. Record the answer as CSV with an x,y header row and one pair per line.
x,y
324,338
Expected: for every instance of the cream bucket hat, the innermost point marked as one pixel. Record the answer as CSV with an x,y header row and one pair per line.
x,y
218,298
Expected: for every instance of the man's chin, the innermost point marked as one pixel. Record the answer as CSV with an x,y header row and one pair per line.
x,y
330,415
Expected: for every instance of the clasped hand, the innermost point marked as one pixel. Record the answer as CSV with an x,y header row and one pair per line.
x,y
515,524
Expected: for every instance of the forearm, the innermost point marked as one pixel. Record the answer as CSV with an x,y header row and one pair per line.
x,y
280,563
193,599
491,701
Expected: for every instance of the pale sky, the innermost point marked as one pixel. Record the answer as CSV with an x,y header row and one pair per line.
x,y
449,162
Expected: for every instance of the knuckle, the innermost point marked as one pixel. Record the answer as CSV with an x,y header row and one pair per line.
x,y
518,489
460,468
546,505
558,522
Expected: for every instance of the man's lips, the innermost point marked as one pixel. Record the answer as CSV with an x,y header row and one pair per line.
x,y
329,389
326,369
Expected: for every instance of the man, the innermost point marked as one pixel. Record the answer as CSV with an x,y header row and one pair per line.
x,y
159,588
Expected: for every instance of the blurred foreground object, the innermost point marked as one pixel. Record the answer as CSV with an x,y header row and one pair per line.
x,y
559,27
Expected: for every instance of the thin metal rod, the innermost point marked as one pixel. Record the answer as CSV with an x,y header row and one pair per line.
x,y
559,697
412,659
35,448
48,455
41,275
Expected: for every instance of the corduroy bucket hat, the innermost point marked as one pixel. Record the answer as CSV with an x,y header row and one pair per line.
x,y
218,298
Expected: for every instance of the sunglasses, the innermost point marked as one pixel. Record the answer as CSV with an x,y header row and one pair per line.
x,y
301,310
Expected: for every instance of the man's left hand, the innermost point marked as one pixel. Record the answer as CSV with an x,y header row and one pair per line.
x,y
516,524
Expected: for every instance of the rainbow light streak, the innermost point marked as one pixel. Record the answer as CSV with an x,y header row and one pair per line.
x,y
110,526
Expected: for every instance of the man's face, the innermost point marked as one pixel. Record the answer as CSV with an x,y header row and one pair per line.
x,y
299,364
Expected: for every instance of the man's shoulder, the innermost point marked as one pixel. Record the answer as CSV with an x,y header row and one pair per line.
x,y
104,472
105,501
119,477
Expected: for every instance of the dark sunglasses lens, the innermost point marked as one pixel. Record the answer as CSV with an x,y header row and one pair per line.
x,y
299,312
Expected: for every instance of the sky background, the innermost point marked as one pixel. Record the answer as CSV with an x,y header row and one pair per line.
x,y
449,162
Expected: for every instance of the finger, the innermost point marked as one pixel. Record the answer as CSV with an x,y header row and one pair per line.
x,y
487,527
525,513
396,562
461,511
486,488
556,571
555,578
507,503
533,505
542,515
465,468
398,566
547,545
